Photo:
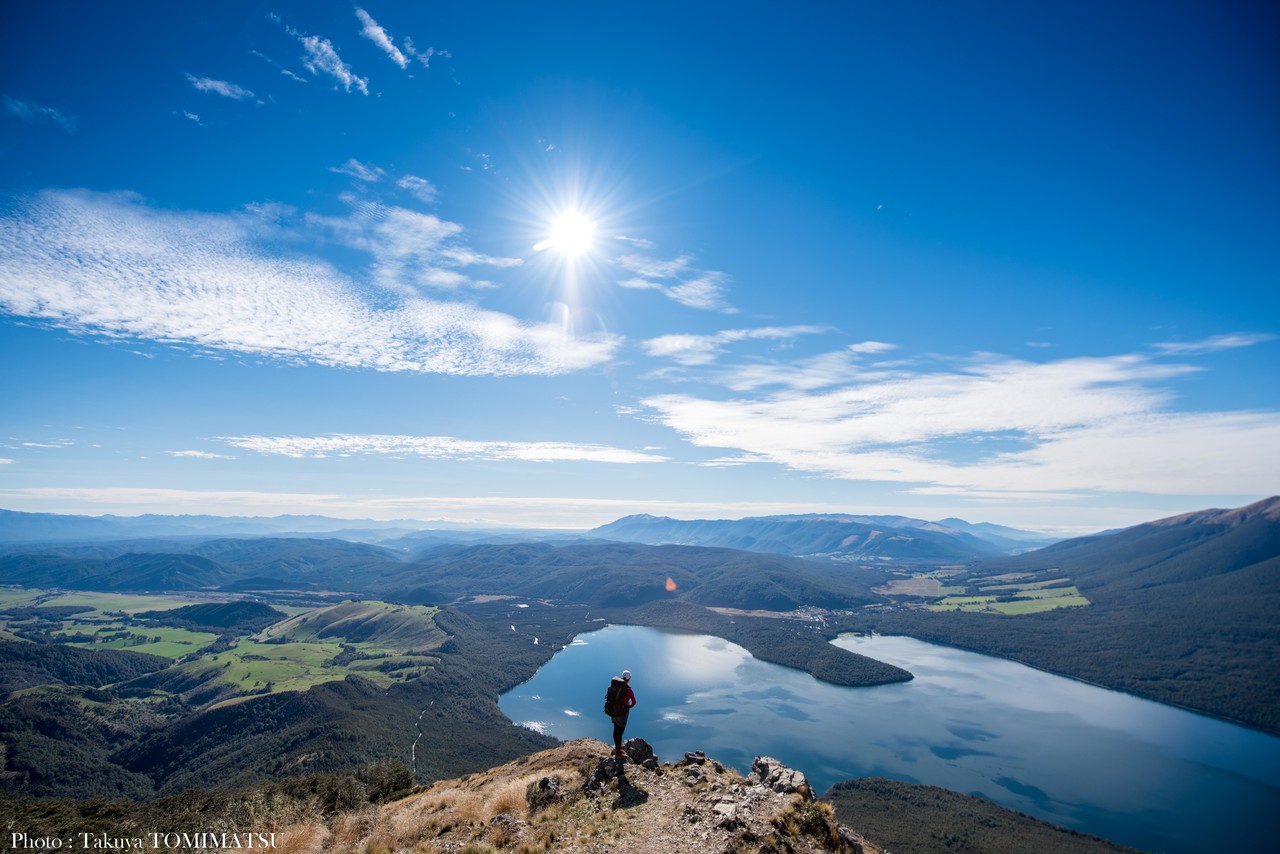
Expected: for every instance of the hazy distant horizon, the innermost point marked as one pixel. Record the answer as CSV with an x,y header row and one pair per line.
x,y
481,523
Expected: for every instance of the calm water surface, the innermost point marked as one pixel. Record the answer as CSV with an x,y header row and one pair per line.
x,y
1127,769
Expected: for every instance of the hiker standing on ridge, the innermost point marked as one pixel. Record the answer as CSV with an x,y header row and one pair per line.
x,y
618,702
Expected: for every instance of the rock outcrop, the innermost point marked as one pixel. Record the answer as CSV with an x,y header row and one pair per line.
x,y
579,798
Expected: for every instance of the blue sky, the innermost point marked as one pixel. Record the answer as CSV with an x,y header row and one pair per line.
x,y
552,264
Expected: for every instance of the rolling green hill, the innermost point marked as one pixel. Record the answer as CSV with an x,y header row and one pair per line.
x,y
376,623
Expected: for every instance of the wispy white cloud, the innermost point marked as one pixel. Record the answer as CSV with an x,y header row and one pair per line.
x,y
465,257
424,56
704,349
378,36
219,87
48,443
4,461
192,117
1213,343
655,268
871,347
199,455
410,250
638,242
322,58
678,280
360,171
996,425
814,372
420,188
37,114
286,72
436,447
109,265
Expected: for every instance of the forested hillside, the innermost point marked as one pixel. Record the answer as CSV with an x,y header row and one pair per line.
x,y
1183,611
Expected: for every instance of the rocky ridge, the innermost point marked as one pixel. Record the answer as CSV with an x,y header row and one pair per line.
x,y
576,798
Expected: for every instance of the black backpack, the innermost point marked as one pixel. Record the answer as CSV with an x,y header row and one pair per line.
x,y
613,696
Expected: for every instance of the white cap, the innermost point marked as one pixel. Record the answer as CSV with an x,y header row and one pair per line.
x,y
626,674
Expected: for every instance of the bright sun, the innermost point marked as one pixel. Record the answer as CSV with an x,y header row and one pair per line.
x,y
571,235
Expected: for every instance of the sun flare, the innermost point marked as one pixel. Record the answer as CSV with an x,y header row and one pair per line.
x,y
571,235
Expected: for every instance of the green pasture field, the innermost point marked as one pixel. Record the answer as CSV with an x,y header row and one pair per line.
x,y
1050,593
167,642
315,638
19,596
312,640
130,603
1031,585
1008,576
102,620
1029,598
288,666
1033,606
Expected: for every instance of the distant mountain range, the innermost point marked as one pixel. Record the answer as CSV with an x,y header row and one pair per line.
x,y
838,536
833,536
19,527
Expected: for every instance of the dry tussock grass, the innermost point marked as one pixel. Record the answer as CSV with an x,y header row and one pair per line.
x,y
306,838
467,806
352,827
464,803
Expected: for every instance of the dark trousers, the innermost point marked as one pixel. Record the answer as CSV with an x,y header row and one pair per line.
x,y
619,725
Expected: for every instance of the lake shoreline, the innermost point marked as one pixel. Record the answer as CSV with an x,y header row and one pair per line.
x,y
1084,757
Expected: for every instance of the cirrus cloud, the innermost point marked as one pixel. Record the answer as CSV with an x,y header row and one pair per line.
x,y
219,87
33,113
436,447
1213,343
110,266
994,425
704,349
366,172
322,58
199,455
678,280
371,30
410,250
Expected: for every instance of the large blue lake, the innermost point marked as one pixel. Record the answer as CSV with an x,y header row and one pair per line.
x,y
1102,762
